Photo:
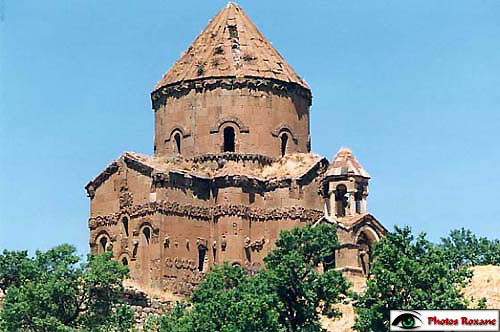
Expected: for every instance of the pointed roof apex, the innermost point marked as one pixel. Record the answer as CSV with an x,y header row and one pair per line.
x,y
344,150
344,163
231,46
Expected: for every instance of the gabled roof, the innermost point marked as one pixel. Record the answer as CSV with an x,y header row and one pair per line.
x,y
230,46
344,163
354,222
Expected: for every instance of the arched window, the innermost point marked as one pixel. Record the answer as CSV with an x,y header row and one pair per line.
x,y
177,140
147,234
284,142
365,244
124,261
102,244
229,145
125,225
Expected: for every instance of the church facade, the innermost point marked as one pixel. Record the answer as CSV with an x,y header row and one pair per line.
x,y
232,167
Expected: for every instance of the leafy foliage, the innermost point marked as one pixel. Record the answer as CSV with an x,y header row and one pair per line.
x,y
464,248
52,292
14,268
407,273
292,274
227,300
235,302
288,295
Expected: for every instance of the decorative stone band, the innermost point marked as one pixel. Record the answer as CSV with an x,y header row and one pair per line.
x,y
159,97
206,213
232,156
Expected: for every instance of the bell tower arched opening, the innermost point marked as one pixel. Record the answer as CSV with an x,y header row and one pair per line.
x,y
341,200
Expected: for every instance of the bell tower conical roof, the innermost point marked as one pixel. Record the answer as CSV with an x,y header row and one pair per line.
x,y
231,46
345,164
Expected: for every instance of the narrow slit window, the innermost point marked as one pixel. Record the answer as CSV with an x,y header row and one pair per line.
x,y
147,234
229,139
177,139
284,142
201,258
125,225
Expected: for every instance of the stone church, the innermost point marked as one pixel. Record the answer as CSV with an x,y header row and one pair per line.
x,y
232,167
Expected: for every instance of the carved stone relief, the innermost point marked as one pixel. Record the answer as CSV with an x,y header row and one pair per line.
x,y
126,200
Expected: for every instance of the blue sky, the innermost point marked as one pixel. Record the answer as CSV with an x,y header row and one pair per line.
x,y
413,87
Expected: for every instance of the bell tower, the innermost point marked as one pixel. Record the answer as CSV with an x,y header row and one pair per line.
x,y
346,183
231,91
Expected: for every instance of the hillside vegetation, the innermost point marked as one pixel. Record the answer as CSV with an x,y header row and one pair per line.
x,y
485,283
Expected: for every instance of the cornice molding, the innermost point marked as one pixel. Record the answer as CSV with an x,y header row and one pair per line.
x,y
92,186
160,96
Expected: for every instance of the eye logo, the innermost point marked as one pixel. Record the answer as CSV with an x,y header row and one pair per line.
x,y
407,321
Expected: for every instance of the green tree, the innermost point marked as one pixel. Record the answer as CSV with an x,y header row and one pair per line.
x,y
235,301
15,267
408,273
228,300
292,273
53,292
464,248
490,251
288,295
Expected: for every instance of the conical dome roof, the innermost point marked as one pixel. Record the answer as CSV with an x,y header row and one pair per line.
x,y
231,46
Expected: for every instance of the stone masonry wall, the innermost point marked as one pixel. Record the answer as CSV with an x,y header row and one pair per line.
x,y
259,118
